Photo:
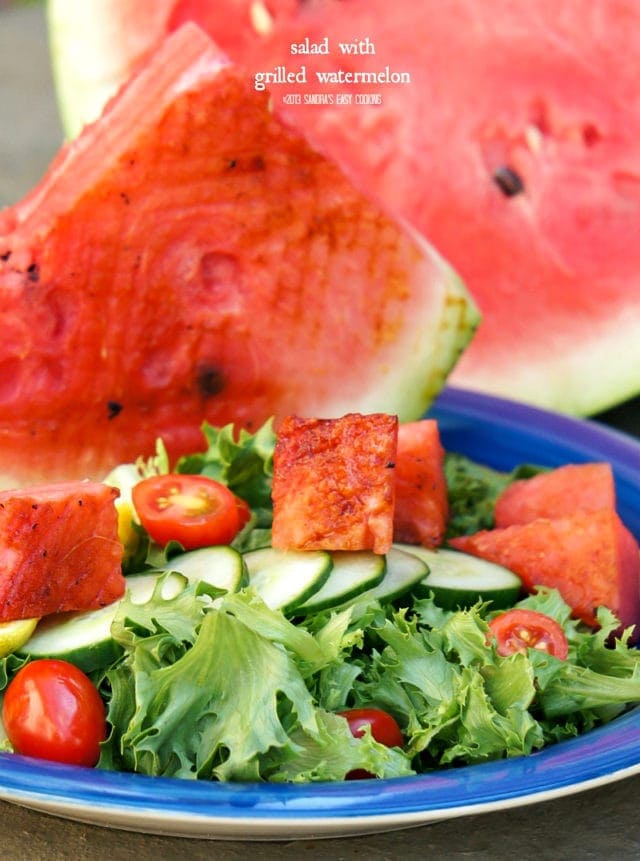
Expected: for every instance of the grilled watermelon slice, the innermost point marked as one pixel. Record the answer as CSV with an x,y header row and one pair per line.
x,y
59,549
515,149
189,258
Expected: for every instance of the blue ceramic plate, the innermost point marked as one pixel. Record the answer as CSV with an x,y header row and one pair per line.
x,y
501,434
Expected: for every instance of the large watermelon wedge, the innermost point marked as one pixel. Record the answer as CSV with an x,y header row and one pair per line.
x,y
515,148
189,258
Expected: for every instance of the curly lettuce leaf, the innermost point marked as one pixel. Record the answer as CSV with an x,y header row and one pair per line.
x,y
242,461
334,752
214,710
473,490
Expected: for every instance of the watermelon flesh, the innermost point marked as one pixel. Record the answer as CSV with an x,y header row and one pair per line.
x,y
59,549
590,557
333,483
559,492
514,149
188,258
421,505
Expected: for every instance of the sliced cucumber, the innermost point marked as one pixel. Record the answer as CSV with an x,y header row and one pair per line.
x,y
404,570
85,638
284,579
353,573
222,567
459,580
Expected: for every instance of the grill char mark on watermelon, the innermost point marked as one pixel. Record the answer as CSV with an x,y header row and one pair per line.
x,y
242,271
334,483
59,549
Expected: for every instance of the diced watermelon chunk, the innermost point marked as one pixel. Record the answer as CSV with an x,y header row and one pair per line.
x,y
421,508
59,549
334,483
574,487
591,558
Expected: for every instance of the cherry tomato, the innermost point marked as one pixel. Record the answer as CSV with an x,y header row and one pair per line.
x,y
192,509
52,710
244,512
383,728
519,630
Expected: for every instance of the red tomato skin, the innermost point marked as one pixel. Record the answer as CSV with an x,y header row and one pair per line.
x,y
194,510
383,728
52,710
244,512
517,629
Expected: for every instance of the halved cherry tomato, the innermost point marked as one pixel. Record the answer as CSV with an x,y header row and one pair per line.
x,y
52,710
518,630
195,510
384,729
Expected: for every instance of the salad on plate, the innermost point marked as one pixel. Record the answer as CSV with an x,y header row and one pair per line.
x,y
340,600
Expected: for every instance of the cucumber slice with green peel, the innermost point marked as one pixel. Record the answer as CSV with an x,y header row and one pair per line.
x,y
459,580
221,566
84,639
353,572
404,570
285,579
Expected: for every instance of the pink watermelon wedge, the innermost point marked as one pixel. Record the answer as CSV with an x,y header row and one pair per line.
x,y
557,493
189,258
514,148
421,506
590,557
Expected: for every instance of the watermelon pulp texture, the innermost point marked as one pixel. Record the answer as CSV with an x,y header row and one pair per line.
x,y
560,529
538,99
333,483
574,487
421,507
188,258
590,557
59,549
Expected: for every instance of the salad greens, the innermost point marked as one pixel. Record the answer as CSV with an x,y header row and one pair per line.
x,y
227,688
211,685
473,489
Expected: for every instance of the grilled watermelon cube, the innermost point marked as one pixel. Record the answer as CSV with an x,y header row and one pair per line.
x,y
334,483
574,487
591,558
421,508
59,549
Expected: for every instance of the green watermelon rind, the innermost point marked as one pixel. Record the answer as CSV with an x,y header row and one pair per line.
x,y
86,70
434,339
